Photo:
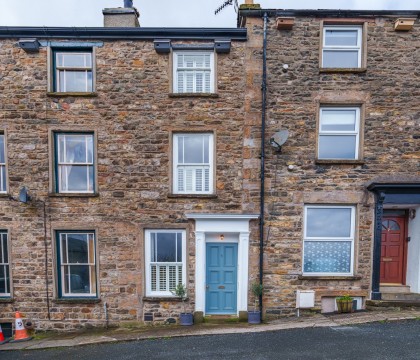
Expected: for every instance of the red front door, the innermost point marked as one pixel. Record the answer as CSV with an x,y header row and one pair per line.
x,y
392,250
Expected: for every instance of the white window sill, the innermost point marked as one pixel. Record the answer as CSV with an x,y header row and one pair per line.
x,y
329,277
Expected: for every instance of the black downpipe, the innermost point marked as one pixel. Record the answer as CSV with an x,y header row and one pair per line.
x,y
262,194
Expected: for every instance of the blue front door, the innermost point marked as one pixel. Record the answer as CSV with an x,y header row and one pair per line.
x,y
221,278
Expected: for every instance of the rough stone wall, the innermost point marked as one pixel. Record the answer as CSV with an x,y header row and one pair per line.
x,y
389,90
133,116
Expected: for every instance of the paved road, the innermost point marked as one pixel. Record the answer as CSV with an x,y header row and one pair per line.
x,y
397,340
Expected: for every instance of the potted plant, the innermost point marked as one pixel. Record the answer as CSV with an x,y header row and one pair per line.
x,y
345,304
184,318
254,317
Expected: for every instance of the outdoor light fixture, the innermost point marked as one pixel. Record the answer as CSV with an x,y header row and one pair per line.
x,y
29,45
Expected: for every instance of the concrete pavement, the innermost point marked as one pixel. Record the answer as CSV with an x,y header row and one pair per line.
x,y
53,340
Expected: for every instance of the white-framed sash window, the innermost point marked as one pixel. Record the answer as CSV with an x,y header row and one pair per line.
x,y
193,163
339,133
76,264
165,259
3,187
73,71
328,245
75,163
342,47
193,72
4,265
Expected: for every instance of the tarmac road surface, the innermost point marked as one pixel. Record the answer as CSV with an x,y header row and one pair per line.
x,y
395,340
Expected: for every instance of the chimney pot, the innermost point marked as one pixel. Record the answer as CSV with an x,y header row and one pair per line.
x,y
128,3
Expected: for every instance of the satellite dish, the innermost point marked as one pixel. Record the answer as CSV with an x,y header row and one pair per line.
x,y
279,138
23,195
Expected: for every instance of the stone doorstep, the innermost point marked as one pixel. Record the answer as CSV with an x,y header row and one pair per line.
x,y
393,303
200,330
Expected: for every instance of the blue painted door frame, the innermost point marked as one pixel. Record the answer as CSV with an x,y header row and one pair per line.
x,y
221,278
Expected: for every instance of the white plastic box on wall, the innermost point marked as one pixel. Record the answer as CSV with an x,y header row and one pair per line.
x,y
305,299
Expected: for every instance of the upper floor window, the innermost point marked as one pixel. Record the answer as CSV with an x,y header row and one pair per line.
x,y
76,264
193,72
2,164
4,265
342,47
338,136
193,163
165,261
74,163
328,247
73,71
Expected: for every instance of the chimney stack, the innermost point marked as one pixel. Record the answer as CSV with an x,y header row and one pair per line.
x,y
128,16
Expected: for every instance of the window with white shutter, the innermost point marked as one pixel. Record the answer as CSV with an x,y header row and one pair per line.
x,y
165,261
193,163
193,72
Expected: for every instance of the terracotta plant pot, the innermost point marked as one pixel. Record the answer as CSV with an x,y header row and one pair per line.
x,y
254,317
345,306
186,319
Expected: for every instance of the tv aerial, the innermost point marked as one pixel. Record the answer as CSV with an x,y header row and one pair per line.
x,y
278,139
227,3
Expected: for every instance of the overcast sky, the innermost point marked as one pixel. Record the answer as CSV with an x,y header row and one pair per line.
x,y
165,13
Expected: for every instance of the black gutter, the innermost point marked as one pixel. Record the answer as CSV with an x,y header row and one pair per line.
x,y
123,33
262,191
328,13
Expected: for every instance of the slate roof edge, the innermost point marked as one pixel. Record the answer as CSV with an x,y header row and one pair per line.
x,y
116,33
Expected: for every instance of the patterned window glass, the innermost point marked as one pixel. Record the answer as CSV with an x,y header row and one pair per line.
x,y
329,240
165,254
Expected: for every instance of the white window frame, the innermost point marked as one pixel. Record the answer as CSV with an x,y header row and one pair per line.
x,y
177,70
339,48
203,166
3,170
328,239
5,262
148,263
62,166
89,264
86,69
355,132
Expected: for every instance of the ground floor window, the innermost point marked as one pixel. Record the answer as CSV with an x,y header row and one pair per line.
x,y
76,262
165,261
4,265
328,247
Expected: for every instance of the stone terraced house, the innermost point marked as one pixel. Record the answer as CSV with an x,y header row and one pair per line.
x,y
131,161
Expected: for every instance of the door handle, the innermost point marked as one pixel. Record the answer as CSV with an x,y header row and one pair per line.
x,y
207,286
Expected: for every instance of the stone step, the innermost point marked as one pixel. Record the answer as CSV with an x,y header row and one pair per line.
x,y
400,296
394,289
372,304
221,319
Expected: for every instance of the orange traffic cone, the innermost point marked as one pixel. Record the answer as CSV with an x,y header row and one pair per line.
x,y
2,340
20,331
